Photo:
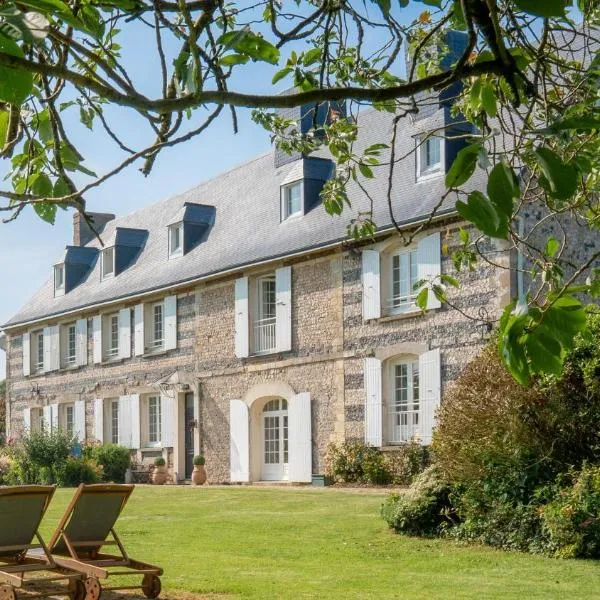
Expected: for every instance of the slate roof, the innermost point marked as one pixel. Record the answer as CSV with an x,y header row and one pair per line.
x,y
247,226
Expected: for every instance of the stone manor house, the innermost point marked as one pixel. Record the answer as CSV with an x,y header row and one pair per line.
x,y
237,320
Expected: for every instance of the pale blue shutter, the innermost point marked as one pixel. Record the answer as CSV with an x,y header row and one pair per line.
x,y
429,256
429,392
373,402
239,447
27,420
99,419
167,425
170,322
81,350
26,354
136,438
125,333
371,280
79,420
97,335
300,438
283,308
139,340
242,342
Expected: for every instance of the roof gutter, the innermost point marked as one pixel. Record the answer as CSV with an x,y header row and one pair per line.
x,y
215,274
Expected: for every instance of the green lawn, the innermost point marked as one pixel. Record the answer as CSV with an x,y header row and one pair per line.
x,y
310,543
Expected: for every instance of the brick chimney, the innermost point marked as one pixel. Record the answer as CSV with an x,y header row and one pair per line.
x,y
82,232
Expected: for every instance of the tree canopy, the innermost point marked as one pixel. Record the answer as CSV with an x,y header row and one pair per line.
x,y
525,86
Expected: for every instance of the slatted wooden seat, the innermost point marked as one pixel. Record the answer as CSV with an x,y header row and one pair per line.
x,y
24,564
88,526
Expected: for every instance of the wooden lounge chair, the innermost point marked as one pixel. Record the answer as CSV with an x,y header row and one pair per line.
x,y
82,532
23,564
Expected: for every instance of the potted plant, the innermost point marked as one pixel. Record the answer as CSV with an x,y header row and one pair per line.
x,y
199,472
159,475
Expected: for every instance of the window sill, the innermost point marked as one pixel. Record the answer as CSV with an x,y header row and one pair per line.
x,y
112,361
416,312
151,353
279,354
428,175
70,367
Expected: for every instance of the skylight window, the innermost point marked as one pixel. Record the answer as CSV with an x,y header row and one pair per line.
x,y
291,200
108,262
176,240
59,280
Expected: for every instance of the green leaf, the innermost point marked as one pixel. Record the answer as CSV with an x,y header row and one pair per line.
x,y
463,166
503,189
584,123
542,8
281,74
61,188
248,43
365,170
233,59
15,84
560,179
436,3
385,6
482,213
552,246
488,99
4,119
448,279
421,299
41,186
46,211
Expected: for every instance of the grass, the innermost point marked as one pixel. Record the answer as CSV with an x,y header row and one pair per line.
x,y
308,543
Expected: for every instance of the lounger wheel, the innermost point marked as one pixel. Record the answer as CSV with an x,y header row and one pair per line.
x,y
7,592
151,586
77,589
93,589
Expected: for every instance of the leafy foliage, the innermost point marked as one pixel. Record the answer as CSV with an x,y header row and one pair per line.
x,y
113,459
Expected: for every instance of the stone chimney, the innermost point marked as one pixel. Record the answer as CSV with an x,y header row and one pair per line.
x,y
82,232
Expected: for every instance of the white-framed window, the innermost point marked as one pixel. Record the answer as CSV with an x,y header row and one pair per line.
x,y
108,262
68,344
265,323
114,421
67,418
291,200
37,356
158,326
154,421
175,240
429,155
112,348
404,407
59,280
403,277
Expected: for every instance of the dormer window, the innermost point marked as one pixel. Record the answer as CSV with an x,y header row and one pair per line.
x,y
108,262
176,240
429,155
59,280
291,200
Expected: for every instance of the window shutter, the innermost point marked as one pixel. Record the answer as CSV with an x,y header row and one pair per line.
x,y
47,418
371,280
283,308
79,420
81,353
54,417
99,419
27,420
125,421
54,348
125,333
139,330
300,438
26,354
136,441
97,334
429,392
242,344
170,322
429,264
167,425
373,402
47,349
239,449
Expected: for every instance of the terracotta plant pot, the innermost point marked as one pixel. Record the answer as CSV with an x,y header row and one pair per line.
x,y
199,475
159,475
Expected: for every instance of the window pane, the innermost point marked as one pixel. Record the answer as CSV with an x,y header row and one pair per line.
x,y
108,259
404,410
69,420
154,434
114,421
71,344
59,277
114,336
175,238
293,200
157,320
40,351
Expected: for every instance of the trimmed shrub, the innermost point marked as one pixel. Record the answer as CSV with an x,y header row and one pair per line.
x,y
80,470
199,460
160,462
424,509
113,459
406,462
355,462
571,521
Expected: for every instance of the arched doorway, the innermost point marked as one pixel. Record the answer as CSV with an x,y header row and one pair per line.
x,y
275,440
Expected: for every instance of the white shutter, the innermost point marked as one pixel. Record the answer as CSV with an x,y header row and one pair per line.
x,y
79,420
167,424
239,449
300,438
54,417
283,308
371,280
242,343
170,322
429,392
125,333
81,353
27,420
47,418
125,421
54,348
47,343
373,402
97,333
134,403
99,419
139,330
429,255
26,354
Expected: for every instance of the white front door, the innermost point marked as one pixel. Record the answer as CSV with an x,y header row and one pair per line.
x,y
275,441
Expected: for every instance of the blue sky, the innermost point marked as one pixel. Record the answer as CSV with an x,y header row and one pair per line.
x,y
29,247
